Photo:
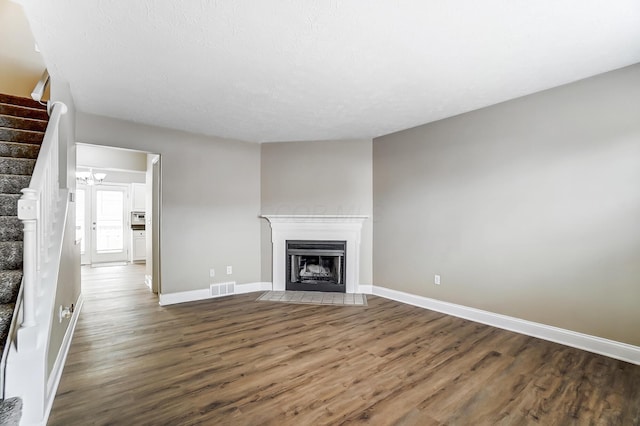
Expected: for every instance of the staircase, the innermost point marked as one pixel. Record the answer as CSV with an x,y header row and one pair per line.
x,y
22,126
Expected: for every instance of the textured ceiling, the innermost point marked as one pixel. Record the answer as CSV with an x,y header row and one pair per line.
x,y
281,70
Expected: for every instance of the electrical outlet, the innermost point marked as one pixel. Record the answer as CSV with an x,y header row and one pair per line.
x,y
212,272
229,270
436,279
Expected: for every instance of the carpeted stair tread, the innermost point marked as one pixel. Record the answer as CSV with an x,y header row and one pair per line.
x,y
22,126
6,313
10,255
9,204
16,135
19,150
20,111
10,411
10,281
10,228
19,100
12,184
9,295
16,166
13,122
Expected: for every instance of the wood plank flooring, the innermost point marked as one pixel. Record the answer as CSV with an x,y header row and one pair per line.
x,y
235,361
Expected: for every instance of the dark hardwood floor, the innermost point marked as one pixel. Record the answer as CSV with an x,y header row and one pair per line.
x,y
240,362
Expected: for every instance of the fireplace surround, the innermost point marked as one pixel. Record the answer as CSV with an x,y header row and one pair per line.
x,y
327,228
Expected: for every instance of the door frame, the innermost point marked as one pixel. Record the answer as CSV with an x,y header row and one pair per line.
x,y
85,257
153,217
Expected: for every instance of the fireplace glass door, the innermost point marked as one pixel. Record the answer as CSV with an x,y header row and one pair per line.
x,y
316,265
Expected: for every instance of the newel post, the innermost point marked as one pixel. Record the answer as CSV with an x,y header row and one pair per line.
x,y
28,214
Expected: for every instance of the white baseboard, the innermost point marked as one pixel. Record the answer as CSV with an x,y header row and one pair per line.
x,y
184,296
365,288
205,293
599,345
58,365
253,287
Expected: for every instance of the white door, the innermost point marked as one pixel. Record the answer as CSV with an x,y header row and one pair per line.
x,y
106,236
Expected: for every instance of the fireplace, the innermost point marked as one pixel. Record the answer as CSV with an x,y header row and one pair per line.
x,y
342,228
316,265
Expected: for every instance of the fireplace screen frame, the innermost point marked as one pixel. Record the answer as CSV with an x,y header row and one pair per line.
x,y
334,253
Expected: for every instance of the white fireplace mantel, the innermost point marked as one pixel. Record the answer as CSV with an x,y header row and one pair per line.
x,y
316,227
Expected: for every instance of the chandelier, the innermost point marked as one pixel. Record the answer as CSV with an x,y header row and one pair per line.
x,y
90,178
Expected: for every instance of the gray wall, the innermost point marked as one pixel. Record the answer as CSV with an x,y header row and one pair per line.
x,y
100,157
321,177
210,200
530,208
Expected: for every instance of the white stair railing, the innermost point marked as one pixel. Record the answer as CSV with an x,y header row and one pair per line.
x,y
36,209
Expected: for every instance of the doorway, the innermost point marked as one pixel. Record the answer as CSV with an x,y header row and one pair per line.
x,y
114,186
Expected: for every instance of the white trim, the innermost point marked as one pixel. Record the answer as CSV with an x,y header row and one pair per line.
x,y
599,345
253,287
205,293
365,289
41,86
58,365
147,280
184,296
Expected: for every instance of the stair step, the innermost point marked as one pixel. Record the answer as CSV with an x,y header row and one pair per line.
x,y
11,411
15,135
16,166
10,228
9,204
13,122
22,126
25,112
10,255
19,150
18,100
9,286
13,184
6,313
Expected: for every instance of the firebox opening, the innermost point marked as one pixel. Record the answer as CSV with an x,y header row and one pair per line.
x,y
316,265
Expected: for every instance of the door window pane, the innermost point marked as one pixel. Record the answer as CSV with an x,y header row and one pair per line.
x,y
109,221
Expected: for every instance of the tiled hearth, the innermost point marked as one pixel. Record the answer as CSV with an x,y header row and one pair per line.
x,y
314,298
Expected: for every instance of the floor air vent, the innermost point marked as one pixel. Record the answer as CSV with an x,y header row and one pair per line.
x,y
222,289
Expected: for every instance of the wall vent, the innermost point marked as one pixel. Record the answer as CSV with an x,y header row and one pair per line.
x,y
222,289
